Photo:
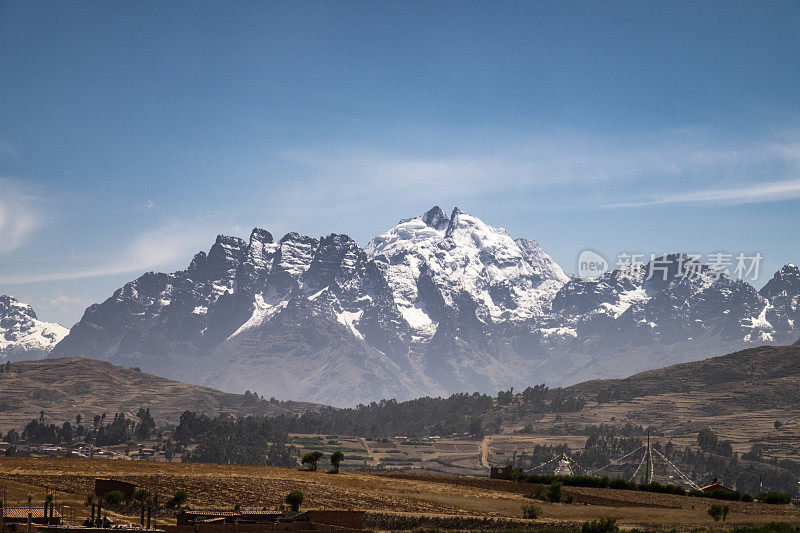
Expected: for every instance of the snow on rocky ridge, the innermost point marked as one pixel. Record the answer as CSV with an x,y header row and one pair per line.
x,y
437,304
22,334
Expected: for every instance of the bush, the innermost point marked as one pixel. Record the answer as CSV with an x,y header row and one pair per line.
x,y
770,527
114,497
774,497
531,511
179,498
604,525
718,511
619,483
555,492
294,499
734,496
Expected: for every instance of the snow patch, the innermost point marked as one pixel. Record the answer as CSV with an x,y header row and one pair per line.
x,y
349,319
264,309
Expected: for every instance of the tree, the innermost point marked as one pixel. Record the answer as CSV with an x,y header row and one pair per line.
x,y
336,459
278,454
311,459
141,495
294,499
146,424
554,492
179,498
12,437
777,424
707,440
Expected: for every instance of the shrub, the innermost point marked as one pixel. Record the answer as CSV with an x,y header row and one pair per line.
x,y
555,492
718,511
770,527
114,497
604,525
774,497
718,494
294,499
531,511
619,483
179,498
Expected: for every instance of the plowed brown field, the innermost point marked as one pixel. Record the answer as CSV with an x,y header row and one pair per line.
x,y
223,486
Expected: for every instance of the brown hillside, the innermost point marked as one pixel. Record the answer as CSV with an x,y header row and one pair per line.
x,y
740,396
62,388
748,371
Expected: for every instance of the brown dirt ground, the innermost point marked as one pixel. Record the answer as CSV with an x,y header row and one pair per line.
x,y
430,494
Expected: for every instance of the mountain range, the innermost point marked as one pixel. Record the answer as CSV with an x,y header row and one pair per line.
x,y
437,304
22,334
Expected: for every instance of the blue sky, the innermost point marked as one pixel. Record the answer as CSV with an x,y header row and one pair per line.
x,y
132,133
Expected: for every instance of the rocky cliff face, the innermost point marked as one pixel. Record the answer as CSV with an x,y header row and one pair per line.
x,y
22,334
438,304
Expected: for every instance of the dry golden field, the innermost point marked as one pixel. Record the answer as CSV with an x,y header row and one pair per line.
x,y
223,486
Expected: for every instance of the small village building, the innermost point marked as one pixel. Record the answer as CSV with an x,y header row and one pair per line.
x,y
19,515
716,486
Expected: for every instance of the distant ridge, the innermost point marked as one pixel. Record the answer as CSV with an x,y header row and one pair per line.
x,y
750,373
65,387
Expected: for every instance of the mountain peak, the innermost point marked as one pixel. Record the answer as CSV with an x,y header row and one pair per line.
x,y
22,334
435,217
261,235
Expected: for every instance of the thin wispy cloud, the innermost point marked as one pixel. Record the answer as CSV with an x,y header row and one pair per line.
x,y
656,167
171,244
18,216
763,192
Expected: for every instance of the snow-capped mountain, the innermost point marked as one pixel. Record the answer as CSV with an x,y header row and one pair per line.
x,y
435,305
22,334
783,294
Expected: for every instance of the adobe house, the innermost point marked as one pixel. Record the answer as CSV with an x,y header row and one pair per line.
x,y
716,486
